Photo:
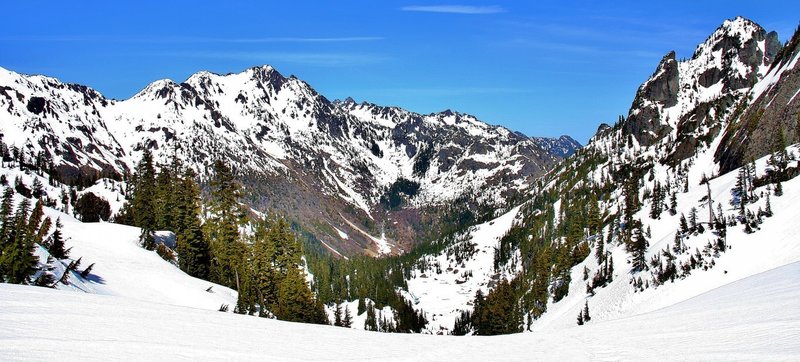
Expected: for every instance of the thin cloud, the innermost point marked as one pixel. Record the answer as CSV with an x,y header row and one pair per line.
x,y
455,9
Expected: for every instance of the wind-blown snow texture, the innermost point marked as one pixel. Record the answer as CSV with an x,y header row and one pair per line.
x,y
711,326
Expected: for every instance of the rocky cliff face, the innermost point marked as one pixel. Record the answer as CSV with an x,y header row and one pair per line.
x,y
685,99
357,174
771,108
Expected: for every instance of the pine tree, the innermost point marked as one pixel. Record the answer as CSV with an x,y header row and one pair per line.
x,y
6,217
600,250
37,189
693,219
192,246
56,243
347,320
779,158
371,323
637,247
337,315
17,261
362,307
143,204
263,266
741,188
586,316
593,216
295,301
656,201
684,224
768,211
673,204
222,227
580,318
499,312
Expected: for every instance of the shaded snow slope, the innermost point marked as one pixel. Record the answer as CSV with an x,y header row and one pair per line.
x,y
711,326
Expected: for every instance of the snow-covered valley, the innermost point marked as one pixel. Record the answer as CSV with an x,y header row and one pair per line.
x,y
753,318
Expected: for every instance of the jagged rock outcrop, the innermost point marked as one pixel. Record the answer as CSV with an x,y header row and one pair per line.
x,y
686,100
772,108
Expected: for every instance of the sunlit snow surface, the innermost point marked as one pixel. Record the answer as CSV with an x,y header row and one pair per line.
x,y
754,318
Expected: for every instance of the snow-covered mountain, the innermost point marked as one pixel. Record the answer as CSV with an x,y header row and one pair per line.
x,y
355,175
573,242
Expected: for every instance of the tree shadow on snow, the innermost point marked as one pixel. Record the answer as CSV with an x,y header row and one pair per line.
x,y
95,279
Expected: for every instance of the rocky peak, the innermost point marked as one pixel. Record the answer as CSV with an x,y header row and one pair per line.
x,y
682,97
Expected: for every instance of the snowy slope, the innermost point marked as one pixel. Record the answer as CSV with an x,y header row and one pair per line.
x,y
708,327
445,286
773,246
123,268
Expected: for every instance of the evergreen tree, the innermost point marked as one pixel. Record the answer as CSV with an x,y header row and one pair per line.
x,y
143,203
295,301
56,243
17,261
191,244
768,211
263,266
347,320
337,315
37,189
222,227
656,201
593,216
637,247
6,217
362,307
371,323
600,250
673,204
586,316
499,313
779,158
92,208
740,189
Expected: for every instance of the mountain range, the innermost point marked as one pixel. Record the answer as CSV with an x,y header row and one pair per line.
x,y
642,228
360,177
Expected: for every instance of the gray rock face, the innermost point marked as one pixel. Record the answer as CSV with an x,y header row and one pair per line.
x,y
661,90
775,109
694,92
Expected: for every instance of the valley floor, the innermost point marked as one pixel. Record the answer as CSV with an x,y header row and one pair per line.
x,y
756,318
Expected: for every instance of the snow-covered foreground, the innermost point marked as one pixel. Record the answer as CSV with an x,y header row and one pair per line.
x,y
753,318
123,268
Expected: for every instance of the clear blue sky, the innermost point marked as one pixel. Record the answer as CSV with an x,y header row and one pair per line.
x,y
542,68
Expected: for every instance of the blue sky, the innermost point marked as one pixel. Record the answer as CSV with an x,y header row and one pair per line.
x,y
542,68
